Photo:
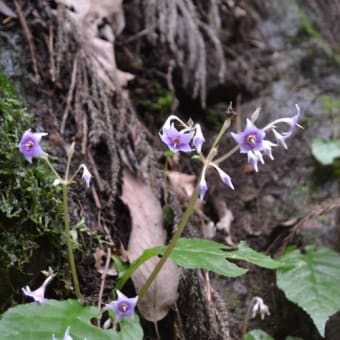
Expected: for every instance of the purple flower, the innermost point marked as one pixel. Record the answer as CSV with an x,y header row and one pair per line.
x,y
39,294
251,139
202,187
292,123
198,138
176,140
86,175
29,145
123,306
252,142
224,176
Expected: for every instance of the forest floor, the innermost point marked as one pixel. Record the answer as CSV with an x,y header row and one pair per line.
x,y
265,206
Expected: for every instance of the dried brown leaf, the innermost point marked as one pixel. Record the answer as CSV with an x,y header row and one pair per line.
x,y
147,231
88,16
183,184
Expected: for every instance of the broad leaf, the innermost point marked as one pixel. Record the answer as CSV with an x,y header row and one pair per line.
x,y
311,280
130,329
38,322
258,334
326,151
205,254
247,254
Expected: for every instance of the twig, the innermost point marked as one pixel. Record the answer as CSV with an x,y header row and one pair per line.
x,y
69,95
29,38
103,278
51,50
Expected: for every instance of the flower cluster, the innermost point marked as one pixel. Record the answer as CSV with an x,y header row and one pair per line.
x,y
251,141
190,138
187,139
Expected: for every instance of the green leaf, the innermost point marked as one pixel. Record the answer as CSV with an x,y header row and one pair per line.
x,y
326,151
258,334
38,322
205,254
247,254
130,329
311,280
169,153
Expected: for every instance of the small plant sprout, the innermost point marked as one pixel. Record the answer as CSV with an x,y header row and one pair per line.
x,y
86,176
123,306
260,308
29,145
39,294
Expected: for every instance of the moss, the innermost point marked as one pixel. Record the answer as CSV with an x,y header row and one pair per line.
x,y
153,101
30,212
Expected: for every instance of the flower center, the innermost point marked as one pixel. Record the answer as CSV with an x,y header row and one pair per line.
x,y
176,141
29,145
123,307
251,139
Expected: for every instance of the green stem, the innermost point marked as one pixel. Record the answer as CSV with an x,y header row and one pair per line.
x,y
51,167
69,244
67,229
171,245
189,210
246,319
227,155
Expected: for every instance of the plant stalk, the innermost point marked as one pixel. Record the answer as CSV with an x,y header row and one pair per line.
x,y
189,210
171,245
69,244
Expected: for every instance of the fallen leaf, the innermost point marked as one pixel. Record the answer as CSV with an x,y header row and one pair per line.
x,y
7,11
147,232
99,258
88,16
183,184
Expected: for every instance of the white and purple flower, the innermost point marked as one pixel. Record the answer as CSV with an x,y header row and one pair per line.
x,y
177,140
252,139
29,145
123,306
187,139
259,308
203,187
86,176
38,295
